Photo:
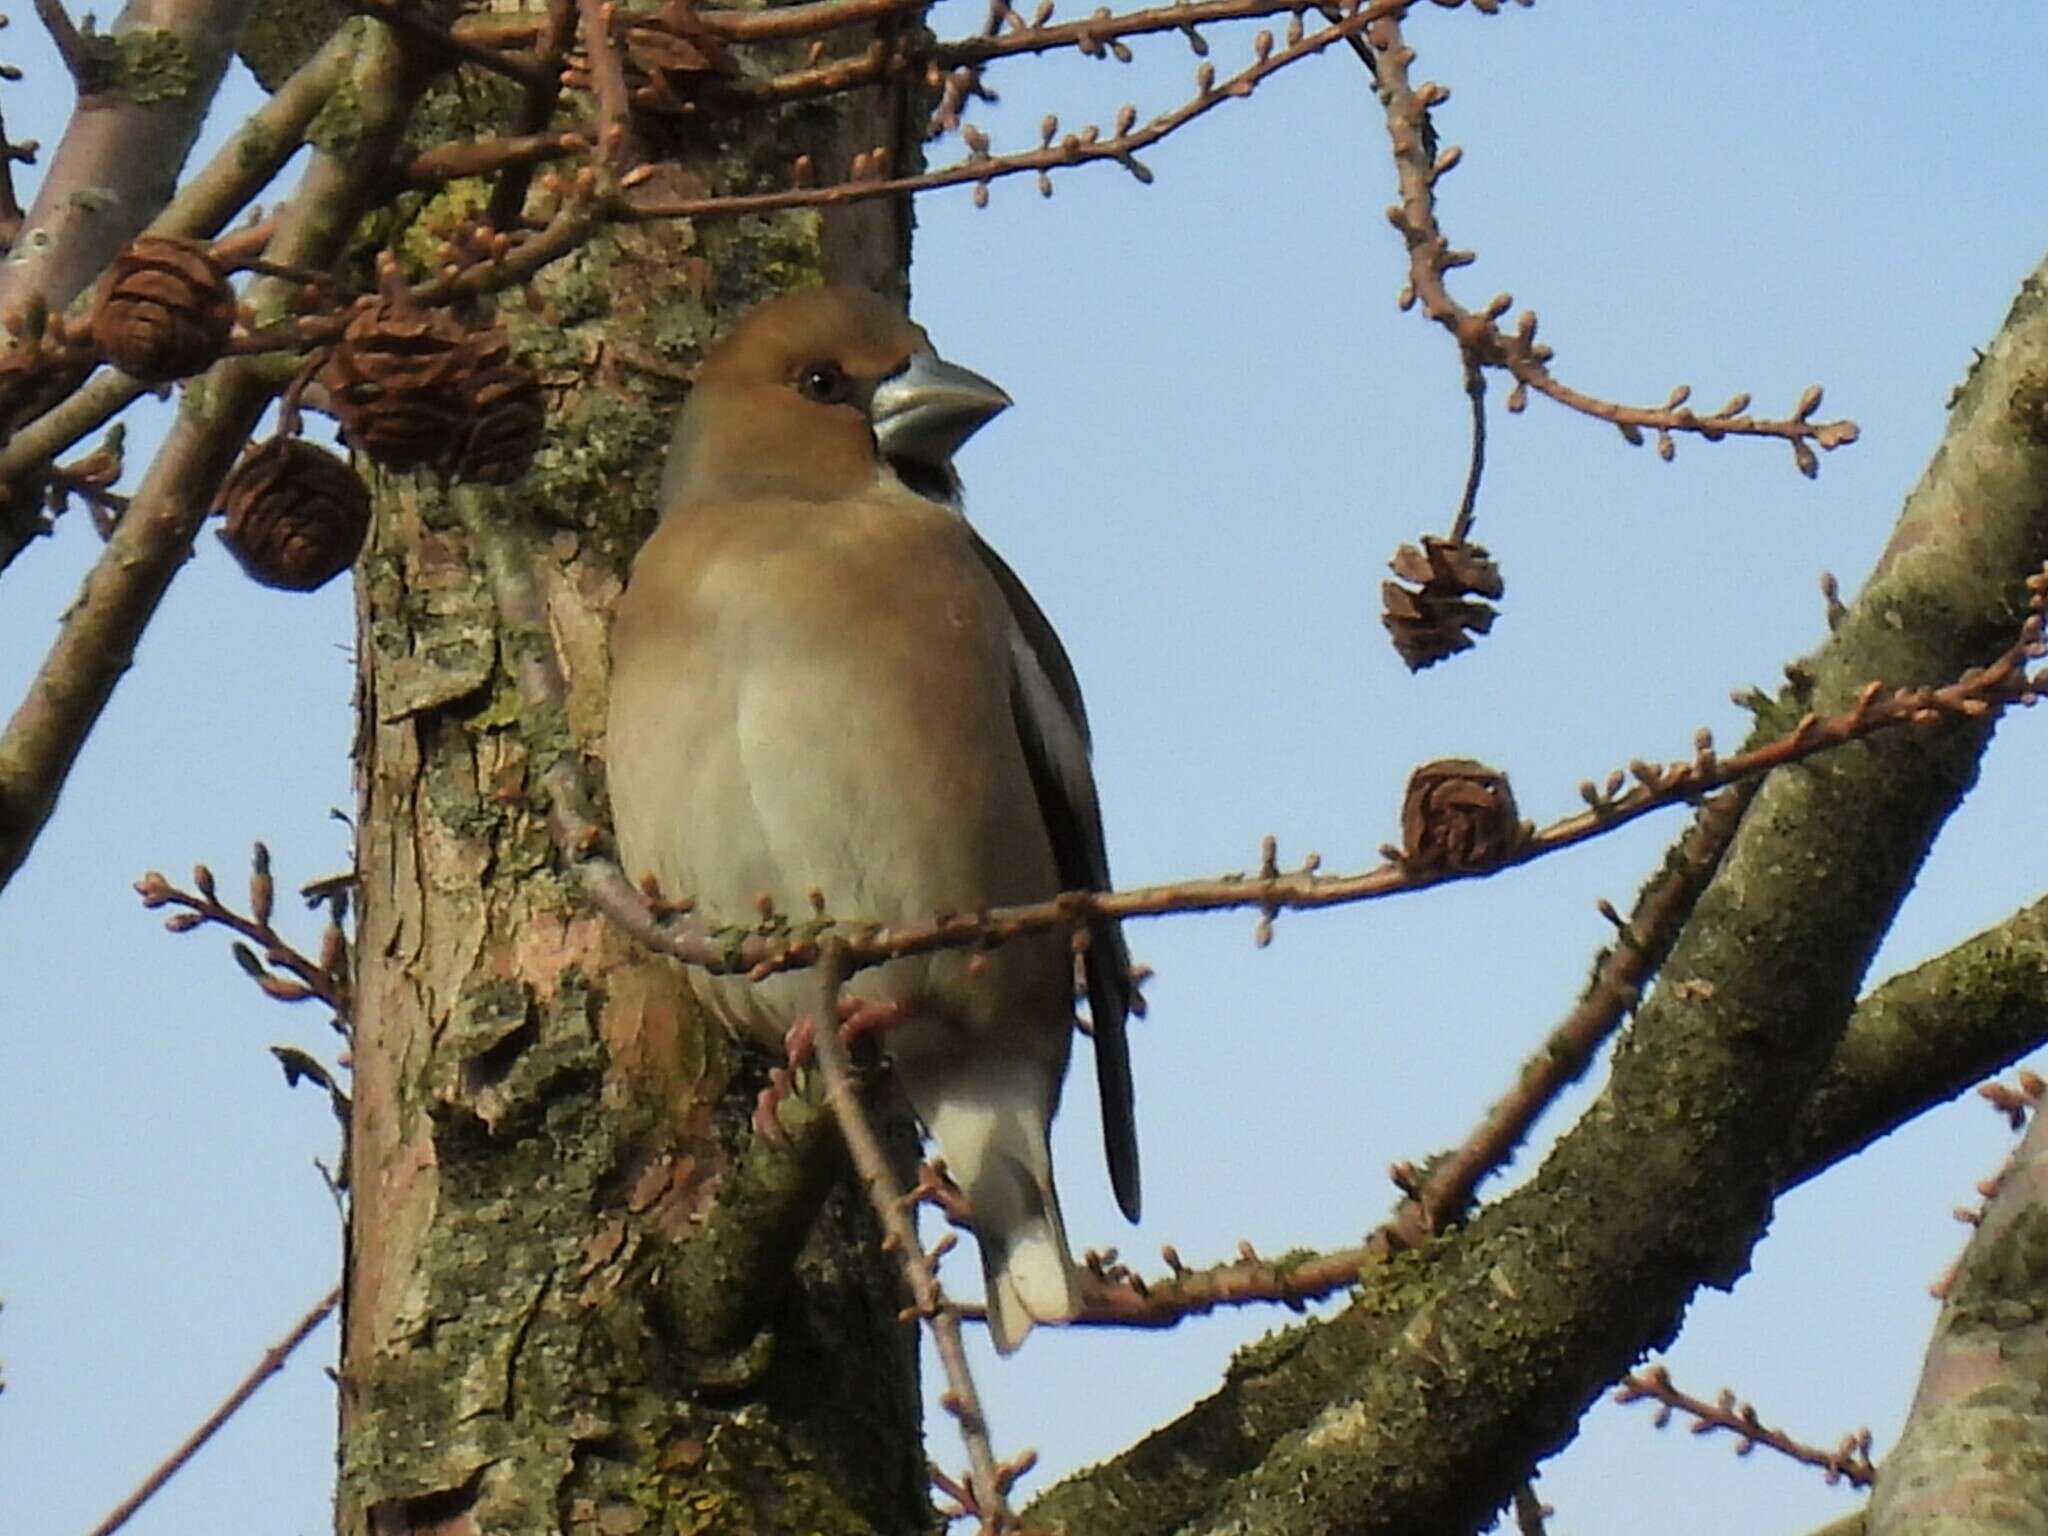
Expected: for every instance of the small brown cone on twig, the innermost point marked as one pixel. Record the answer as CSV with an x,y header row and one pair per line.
x,y
1438,615
415,388
506,415
395,381
296,514
1458,814
165,310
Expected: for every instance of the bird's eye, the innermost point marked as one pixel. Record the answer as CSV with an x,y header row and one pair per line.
x,y
825,383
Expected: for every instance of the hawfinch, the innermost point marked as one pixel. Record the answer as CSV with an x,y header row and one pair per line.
x,y
823,680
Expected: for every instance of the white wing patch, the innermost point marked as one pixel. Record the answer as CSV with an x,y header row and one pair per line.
x,y
1058,730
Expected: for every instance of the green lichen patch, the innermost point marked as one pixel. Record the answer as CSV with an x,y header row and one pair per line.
x,y
141,64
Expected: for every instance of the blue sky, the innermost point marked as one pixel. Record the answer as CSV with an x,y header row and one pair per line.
x,y
1223,428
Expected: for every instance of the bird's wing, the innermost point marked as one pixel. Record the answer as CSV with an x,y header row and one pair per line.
x,y
1052,727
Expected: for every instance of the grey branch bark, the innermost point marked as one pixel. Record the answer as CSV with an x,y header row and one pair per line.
x,y
1973,1457
1924,1037
1425,1404
144,89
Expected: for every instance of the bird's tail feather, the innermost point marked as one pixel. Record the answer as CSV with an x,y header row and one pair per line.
x,y
1029,1281
991,1130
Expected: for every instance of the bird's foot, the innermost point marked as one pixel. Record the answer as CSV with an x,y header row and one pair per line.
x,y
857,1017
861,1016
767,1120
798,1046
935,1187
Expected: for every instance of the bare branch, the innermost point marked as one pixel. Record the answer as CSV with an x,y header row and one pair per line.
x,y
986,1485
70,46
1848,1461
120,154
1478,333
272,1362
325,978
421,29
508,197
616,146
1639,948
1088,146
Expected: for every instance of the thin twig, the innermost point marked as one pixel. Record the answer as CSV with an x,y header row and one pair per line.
x,y
12,213
794,21
1848,1461
325,978
1479,335
272,1362
400,16
616,148
515,153
508,197
1468,504
964,81
1085,147
1639,949
919,1269
64,36
816,19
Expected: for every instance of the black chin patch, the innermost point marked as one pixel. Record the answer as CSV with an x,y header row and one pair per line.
x,y
928,480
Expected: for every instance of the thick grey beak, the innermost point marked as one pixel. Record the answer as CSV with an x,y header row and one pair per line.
x,y
928,408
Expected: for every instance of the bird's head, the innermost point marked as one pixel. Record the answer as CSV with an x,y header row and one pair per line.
x,y
817,392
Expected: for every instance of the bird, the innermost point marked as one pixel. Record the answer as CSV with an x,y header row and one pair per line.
x,y
824,680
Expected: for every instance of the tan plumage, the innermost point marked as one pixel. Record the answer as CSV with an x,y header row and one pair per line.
x,y
823,679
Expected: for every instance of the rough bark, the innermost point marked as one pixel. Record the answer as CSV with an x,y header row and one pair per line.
x,y
143,91
1924,1037
1972,1459
563,1309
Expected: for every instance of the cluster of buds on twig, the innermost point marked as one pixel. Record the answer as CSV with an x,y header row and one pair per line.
x,y
2016,1101
280,969
959,1491
1848,1461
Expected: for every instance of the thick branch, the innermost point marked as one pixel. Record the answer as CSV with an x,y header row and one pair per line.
x,y
144,90
1433,1395
1924,1037
1913,1044
1972,1459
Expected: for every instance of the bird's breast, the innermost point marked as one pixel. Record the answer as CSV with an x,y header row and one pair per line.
x,y
811,705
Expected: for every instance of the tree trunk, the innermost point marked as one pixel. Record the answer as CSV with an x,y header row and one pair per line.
x,y
571,1304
